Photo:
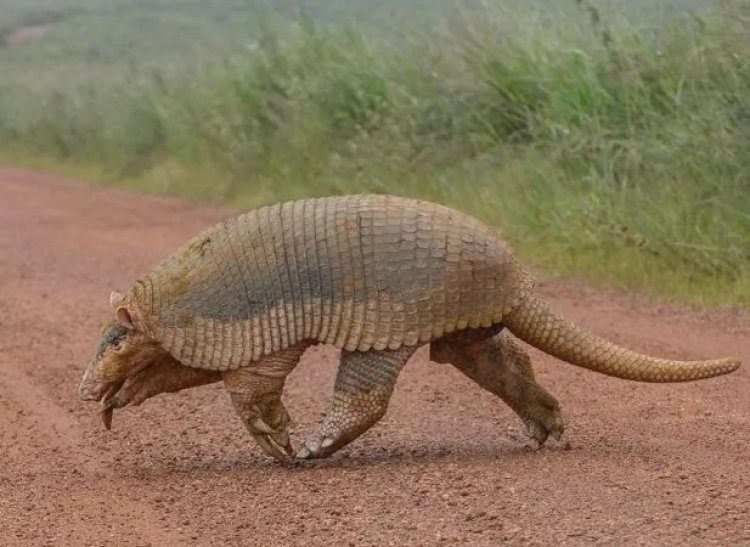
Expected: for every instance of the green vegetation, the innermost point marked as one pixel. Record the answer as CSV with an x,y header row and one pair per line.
x,y
603,149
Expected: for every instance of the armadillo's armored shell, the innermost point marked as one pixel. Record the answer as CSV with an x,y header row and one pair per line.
x,y
359,272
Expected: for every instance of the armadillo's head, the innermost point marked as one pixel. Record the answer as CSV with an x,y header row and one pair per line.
x,y
122,351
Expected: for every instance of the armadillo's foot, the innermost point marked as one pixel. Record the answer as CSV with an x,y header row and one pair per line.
x,y
269,427
502,367
542,419
256,396
257,400
164,376
361,394
351,415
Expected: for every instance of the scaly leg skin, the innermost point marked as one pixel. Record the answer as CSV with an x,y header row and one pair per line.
x,y
256,395
164,376
502,367
363,389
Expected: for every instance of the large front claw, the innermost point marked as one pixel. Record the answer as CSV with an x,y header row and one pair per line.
x,y
162,377
110,401
257,400
256,396
268,423
136,388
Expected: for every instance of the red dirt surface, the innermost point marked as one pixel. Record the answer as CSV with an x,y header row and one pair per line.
x,y
640,464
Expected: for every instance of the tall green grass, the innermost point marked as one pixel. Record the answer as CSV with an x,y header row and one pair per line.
x,y
600,149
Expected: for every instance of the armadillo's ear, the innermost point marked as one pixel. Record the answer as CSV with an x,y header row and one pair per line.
x,y
115,298
123,317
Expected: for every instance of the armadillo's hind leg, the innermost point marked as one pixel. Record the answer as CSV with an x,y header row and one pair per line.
x,y
502,367
256,395
363,388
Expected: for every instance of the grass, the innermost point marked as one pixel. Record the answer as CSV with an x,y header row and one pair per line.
x,y
602,149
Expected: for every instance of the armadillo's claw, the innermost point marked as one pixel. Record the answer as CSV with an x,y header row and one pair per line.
x,y
275,442
537,434
532,444
543,424
257,400
109,405
110,401
308,453
272,446
317,448
106,414
132,390
268,425
260,425
557,433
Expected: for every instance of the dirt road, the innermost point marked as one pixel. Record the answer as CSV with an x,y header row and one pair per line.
x,y
645,464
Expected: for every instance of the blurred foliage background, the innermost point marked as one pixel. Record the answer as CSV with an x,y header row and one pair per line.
x,y
607,140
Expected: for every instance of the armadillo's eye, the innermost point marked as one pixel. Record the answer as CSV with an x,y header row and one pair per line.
x,y
116,344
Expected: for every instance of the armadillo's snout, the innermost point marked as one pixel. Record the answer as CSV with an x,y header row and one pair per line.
x,y
87,392
90,389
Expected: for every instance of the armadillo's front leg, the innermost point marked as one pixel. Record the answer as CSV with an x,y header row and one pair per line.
x,y
502,367
256,395
363,388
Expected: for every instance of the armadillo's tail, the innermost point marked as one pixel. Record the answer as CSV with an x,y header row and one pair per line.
x,y
533,322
